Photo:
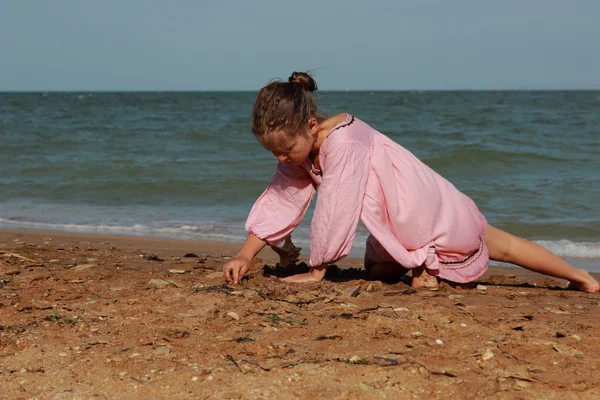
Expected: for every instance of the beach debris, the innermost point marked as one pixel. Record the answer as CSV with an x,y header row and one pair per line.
x,y
177,334
382,307
161,283
329,337
354,360
59,319
191,313
395,292
288,252
487,355
16,255
243,339
464,309
567,350
481,287
277,319
374,286
428,293
12,272
150,256
215,275
554,311
515,375
250,294
216,288
382,331
233,315
81,267
161,351
445,372
352,291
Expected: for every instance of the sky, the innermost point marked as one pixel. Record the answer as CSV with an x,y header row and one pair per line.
x,y
206,45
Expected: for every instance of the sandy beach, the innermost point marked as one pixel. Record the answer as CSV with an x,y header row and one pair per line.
x,y
115,317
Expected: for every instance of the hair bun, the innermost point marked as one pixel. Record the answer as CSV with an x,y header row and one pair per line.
x,y
303,79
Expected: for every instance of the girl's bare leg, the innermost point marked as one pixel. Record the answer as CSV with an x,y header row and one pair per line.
x,y
508,248
386,271
390,271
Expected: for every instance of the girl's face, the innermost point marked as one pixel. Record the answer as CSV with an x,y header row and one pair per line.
x,y
297,151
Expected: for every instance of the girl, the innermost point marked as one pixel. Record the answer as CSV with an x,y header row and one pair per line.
x,y
417,219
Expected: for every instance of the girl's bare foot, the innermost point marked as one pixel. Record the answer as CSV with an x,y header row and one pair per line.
x,y
587,283
422,279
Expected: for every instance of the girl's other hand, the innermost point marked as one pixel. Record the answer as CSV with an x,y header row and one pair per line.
x,y
235,270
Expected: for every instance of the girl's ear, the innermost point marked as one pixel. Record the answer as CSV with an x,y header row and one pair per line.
x,y
313,127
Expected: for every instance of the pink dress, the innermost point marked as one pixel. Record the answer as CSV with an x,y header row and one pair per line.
x,y
415,216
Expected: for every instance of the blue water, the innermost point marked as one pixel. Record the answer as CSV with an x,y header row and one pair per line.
x,y
186,165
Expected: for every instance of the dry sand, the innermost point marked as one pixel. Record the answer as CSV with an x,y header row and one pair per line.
x,y
101,317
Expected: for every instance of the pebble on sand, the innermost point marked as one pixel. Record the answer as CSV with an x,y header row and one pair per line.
x,y
233,315
487,355
159,283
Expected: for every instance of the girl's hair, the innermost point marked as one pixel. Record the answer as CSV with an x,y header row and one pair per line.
x,y
283,107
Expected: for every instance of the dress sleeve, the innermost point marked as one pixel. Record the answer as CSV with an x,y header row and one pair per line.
x,y
339,203
281,207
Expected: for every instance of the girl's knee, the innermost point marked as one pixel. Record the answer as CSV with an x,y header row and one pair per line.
x,y
499,244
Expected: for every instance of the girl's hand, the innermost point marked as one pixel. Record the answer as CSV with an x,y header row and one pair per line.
x,y
235,270
316,274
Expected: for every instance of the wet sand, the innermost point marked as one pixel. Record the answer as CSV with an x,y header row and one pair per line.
x,y
110,317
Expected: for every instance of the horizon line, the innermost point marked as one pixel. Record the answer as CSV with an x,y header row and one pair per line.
x,y
348,90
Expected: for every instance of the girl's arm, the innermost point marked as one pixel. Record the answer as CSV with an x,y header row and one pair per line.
x,y
251,247
338,209
281,207
274,216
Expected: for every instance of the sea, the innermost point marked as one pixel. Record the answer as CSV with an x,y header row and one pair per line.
x,y
186,164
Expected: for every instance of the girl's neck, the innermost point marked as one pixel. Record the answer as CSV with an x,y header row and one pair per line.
x,y
323,130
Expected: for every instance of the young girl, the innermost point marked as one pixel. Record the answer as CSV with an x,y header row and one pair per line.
x,y
417,219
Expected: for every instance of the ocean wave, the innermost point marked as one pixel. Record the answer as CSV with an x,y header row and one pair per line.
x,y
208,232
480,155
236,234
566,248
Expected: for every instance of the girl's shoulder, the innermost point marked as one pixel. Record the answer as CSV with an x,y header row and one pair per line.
x,y
350,129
